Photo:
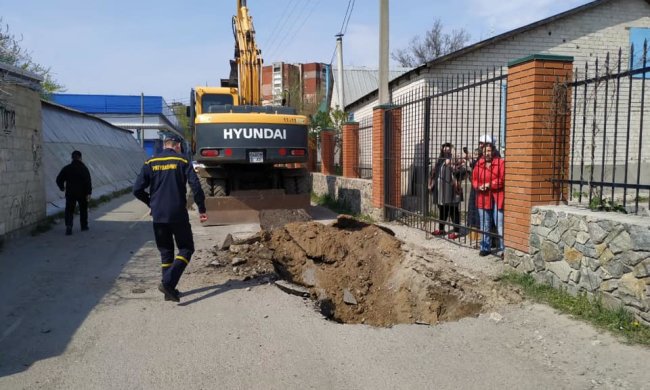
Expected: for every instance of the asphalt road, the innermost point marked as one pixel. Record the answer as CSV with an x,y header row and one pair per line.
x,y
83,312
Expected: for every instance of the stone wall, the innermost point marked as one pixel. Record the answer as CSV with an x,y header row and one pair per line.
x,y
355,194
601,254
22,197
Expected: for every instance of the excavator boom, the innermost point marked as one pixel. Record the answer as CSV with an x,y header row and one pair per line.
x,y
248,157
248,56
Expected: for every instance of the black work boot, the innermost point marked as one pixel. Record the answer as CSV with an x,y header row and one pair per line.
x,y
178,294
68,230
170,294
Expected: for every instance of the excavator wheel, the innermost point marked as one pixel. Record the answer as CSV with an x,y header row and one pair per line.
x,y
219,187
213,187
207,186
289,184
303,184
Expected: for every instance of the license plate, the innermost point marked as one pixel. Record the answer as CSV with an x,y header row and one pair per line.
x,y
256,157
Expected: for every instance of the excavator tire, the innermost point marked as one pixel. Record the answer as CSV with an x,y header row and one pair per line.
x,y
218,187
207,186
303,184
289,184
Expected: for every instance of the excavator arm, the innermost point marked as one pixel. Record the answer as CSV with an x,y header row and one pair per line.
x,y
248,58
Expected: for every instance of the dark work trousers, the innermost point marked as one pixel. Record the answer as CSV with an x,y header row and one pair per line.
x,y
173,266
449,210
71,204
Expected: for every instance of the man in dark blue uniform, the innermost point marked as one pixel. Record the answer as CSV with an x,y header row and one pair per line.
x,y
75,180
166,175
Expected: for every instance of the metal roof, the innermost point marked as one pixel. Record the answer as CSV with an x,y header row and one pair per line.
x,y
119,109
358,82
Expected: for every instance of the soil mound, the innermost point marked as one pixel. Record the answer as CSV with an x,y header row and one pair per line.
x,y
361,273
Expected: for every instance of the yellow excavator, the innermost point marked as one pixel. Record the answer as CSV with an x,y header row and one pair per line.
x,y
248,157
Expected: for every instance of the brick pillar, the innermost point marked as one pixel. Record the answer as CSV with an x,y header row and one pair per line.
x,y
351,149
327,152
530,141
312,154
380,157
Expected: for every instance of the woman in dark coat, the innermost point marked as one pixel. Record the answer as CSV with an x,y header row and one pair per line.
x,y
446,190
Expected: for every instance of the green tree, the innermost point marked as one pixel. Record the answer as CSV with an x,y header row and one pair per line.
x,y
180,111
13,54
436,43
332,119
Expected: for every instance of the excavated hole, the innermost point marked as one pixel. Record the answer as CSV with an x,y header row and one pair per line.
x,y
360,273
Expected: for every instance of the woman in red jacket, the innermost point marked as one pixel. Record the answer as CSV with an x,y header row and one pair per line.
x,y
488,179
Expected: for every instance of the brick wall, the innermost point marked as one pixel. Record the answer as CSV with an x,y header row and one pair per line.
x,y
351,149
22,195
327,152
530,142
378,157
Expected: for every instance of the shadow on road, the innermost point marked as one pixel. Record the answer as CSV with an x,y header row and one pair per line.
x,y
222,288
50,283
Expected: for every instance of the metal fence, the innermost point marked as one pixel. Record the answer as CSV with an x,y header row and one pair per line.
x,y
457,110
365,148
608,157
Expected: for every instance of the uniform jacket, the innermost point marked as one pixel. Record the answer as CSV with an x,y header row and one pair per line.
x,y
167,175
495,175
75,179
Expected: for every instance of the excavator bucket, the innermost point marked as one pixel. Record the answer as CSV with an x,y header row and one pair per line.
x,y
245,206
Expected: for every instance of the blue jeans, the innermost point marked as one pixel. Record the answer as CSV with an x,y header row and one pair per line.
x,y
489,217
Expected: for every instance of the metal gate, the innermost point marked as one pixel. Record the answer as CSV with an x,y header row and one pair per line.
x,y
458,111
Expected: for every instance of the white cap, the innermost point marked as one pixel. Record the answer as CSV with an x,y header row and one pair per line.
x,y
486,139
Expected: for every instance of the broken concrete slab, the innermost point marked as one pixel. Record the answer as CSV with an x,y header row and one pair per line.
x,y
291,288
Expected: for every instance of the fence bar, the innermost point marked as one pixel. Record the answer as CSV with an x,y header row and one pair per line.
x,y
602,169
618,90
593,135
638,169
573,141
584,126
629,125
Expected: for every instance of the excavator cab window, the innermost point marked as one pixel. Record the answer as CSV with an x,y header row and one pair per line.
x,y
208,100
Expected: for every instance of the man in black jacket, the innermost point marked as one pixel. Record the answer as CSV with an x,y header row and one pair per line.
x,y
74,179
166,175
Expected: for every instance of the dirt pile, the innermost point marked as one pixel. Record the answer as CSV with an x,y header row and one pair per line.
x,y
360,273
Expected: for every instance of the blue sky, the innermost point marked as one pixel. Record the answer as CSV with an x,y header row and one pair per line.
x,y
166,47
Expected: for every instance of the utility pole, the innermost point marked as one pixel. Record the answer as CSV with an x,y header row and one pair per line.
x,y
141,132
383,53
339,50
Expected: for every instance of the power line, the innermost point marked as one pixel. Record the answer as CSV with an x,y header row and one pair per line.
x,y
344,24
304,20
349,17
273,46
282,21
347,10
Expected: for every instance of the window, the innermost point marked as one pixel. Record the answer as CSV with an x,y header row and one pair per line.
x,y
638,36
209,100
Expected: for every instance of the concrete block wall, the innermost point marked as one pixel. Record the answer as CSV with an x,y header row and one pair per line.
x,y
22,196
355,194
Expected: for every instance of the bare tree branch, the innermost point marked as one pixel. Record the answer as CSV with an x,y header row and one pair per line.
x,y
436,43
